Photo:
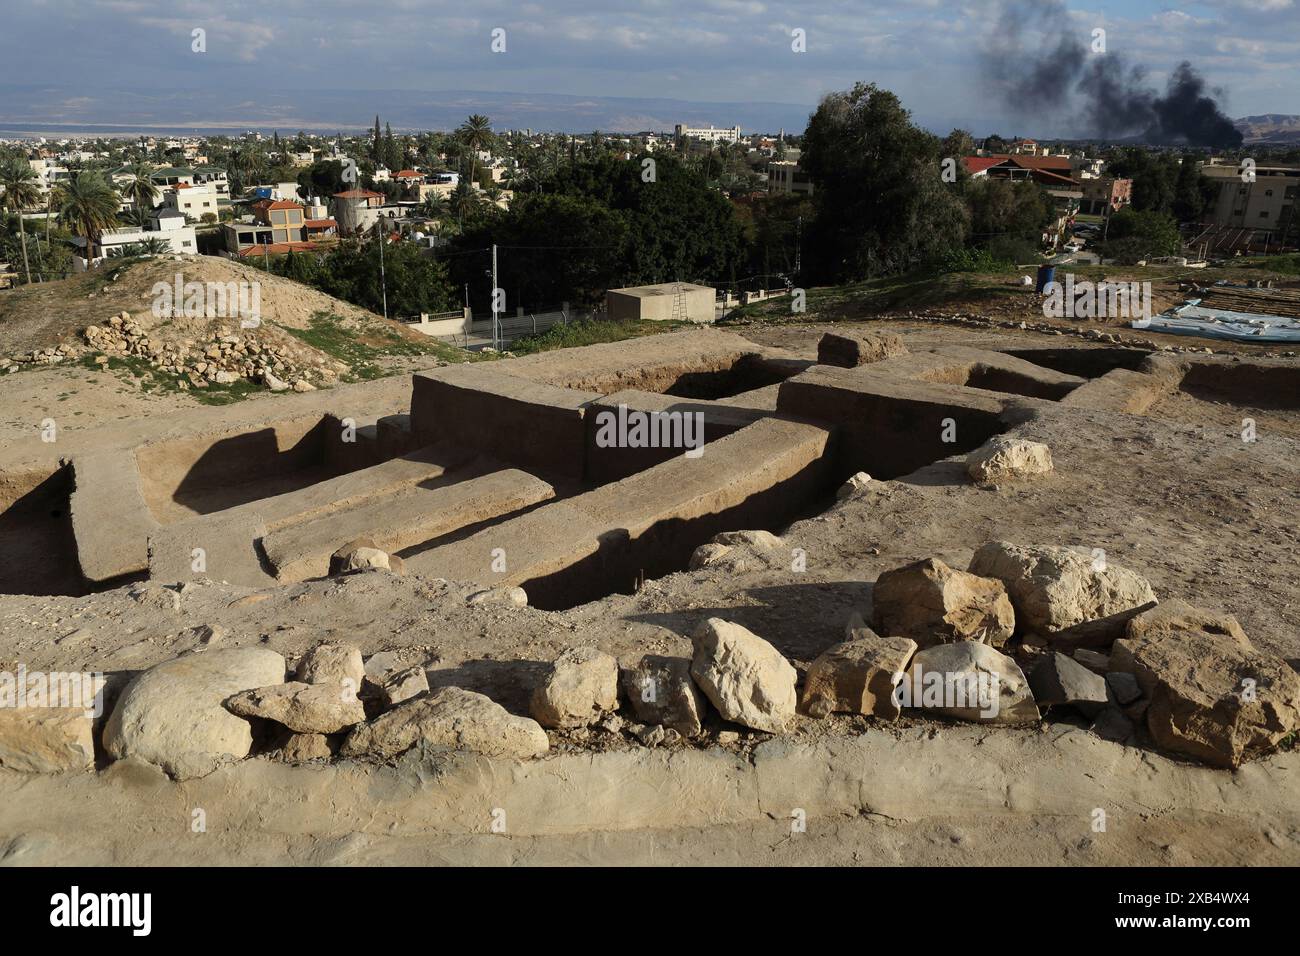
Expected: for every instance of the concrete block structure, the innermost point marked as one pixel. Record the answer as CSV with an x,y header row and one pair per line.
x,y
669,302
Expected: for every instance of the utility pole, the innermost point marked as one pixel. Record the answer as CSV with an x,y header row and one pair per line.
x,y
494,297
798,250
383,281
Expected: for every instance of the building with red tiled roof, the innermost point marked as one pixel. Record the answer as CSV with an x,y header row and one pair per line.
x,y
321,227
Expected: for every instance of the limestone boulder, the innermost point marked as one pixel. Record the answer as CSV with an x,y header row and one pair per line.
x,y
581,687
1059,680
303,708
967,681
1211,698
361,554
857,484
448,719
857,676
1176,615
1002,458
849,349
660,692
332,663
744,676
172,715
46,739
1069,594
512,596
402,685
303,748
737,552
934,604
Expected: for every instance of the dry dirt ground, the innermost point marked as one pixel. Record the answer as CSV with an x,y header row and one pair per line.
x,y
1176,496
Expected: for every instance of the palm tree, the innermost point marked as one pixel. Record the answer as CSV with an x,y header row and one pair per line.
x,y
153,246
434,206
475,133
464,203
137,217
140,189
20,191
89,206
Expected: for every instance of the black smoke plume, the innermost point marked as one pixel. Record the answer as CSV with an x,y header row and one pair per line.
x,y
1112,99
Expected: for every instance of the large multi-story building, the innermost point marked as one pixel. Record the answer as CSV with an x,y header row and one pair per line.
x,y
1267,203
710,134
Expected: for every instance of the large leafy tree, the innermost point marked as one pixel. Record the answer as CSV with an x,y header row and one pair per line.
x,y
882,205
89,206
1000,208
679,229
536,274
1134,234
21,190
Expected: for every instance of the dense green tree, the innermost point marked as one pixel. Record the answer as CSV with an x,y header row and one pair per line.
x,y
957,144
1134,234
536,274
322,178
999,207
882,206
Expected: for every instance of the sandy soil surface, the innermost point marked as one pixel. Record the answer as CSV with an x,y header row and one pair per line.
x,y
1176,496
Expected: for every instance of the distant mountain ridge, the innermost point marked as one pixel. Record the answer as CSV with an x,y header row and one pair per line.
x,y
53,108
1270,128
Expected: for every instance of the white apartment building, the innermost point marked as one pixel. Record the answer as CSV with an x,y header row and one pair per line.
x,y
1268,203
191,199
710,134
168,225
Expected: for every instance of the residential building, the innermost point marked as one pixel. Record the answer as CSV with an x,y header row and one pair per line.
x,y
788,177
172,176
1268,203
356,210
1103,196
275,222
191,199
167,224
216,176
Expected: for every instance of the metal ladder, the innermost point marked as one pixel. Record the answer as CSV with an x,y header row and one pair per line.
x,y
681,312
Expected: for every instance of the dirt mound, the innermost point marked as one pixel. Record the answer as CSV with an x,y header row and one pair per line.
x,y
197,320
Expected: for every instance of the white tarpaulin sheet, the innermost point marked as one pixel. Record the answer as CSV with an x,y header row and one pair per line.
x,y
1194,319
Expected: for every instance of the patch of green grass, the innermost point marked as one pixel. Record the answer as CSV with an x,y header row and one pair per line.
x,y
590,332
917,290
154,382
1286,265
359,349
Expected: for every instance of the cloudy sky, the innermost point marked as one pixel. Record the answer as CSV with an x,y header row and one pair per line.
x,y
928,51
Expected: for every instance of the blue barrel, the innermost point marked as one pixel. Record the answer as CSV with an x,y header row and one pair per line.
x,y
1046,274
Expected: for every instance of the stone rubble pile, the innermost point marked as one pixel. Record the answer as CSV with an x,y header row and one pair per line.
x,y
1025,632
222,359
